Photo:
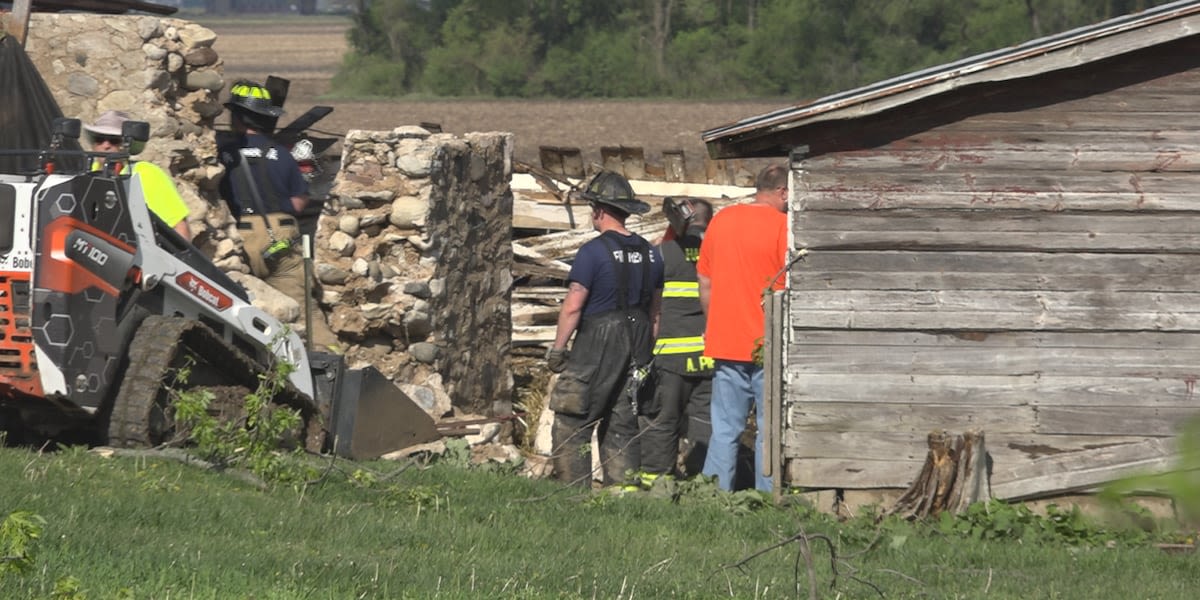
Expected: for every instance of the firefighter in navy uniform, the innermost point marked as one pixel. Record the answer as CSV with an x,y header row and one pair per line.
x,y
682,374
612,297
265,190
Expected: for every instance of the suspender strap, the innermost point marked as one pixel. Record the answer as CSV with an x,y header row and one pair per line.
x,y
244,176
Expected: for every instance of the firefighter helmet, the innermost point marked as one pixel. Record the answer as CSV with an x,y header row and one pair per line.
x,y
252,97
613,190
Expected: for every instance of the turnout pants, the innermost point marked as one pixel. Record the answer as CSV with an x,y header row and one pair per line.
x,y
683,414
285,273
590,392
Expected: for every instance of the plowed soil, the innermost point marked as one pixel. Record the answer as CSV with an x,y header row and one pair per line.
x,y
308,50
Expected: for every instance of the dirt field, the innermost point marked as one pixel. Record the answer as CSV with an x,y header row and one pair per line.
x,y
309,50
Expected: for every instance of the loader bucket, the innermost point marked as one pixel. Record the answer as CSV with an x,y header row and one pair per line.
x,y
367,415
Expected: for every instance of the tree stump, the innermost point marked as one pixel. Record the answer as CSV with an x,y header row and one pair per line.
x,y
954,476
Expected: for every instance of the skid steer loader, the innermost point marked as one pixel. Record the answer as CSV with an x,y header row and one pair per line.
x,y
101,303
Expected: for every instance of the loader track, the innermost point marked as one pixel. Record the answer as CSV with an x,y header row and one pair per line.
x,y
141,413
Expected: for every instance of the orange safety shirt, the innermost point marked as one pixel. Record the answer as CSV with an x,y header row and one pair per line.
x,y
744,247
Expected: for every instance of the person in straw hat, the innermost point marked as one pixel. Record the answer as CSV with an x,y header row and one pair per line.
x,y
105,138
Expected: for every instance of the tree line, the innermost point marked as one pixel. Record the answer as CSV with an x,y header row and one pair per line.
x,y
715,49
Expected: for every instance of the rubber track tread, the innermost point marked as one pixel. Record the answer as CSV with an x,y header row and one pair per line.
x,y
152,353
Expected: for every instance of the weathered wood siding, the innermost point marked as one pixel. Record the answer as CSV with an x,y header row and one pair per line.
x,y
1022,258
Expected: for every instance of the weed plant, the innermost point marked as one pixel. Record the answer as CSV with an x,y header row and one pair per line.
x,y
145,528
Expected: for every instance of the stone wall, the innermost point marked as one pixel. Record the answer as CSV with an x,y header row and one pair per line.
x,y
413,253
163,71
419,265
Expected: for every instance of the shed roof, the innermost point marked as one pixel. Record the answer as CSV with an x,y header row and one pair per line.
x,y
775,133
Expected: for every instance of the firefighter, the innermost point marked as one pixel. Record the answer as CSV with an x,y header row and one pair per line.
x,y
613,293
265,190
682,374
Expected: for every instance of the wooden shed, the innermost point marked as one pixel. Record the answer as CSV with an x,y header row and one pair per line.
x,y
1009,243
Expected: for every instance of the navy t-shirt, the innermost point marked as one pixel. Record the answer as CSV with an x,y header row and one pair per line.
x,y
595,270
282,172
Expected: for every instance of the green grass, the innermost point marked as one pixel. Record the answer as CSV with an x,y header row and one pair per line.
x,y
143,528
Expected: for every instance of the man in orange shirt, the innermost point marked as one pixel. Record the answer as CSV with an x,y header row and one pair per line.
x,y
743,255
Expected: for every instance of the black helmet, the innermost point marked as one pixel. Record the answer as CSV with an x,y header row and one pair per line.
x,y
613,190
254,98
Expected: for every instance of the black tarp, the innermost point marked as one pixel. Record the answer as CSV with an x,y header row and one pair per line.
x,y
27,109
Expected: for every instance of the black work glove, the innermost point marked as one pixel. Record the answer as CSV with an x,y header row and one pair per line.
x,y
556,359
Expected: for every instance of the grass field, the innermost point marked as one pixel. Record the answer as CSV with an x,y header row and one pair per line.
x,y
147,528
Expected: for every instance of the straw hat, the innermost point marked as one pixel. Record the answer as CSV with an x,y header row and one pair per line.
x,y
109,123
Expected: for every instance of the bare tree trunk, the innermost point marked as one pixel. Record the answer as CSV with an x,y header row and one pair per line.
x,y
662,33
1034,24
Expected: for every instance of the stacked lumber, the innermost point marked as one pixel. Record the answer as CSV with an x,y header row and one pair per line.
x,y
541,262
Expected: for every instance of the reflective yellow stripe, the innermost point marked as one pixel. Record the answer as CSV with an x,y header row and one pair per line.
x,y
679,345
251,91
681,289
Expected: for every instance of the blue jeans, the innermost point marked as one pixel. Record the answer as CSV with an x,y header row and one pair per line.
x,y
735,386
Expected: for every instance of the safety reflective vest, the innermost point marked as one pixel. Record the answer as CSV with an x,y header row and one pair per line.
x,y
162,198
680,344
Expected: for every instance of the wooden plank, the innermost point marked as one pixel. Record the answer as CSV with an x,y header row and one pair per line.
x,y
1151,139
1056,182
1113,420
541,265
610,159
981,359
1100,390
528,214
1075,471
830,187
928,228
532,335
548,293
524,314
851,473
674,165
633,162
832,269
905,195
996,310
1018,161
1029,281
910,417
1178,344
567,162
773,373
1007,448
1098,119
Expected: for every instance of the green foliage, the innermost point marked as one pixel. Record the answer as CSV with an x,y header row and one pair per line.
x,y
370,74
19,535
683,48
1181,483
253,442
997,520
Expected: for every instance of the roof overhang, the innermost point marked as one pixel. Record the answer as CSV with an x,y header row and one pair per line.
x,y
775,133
